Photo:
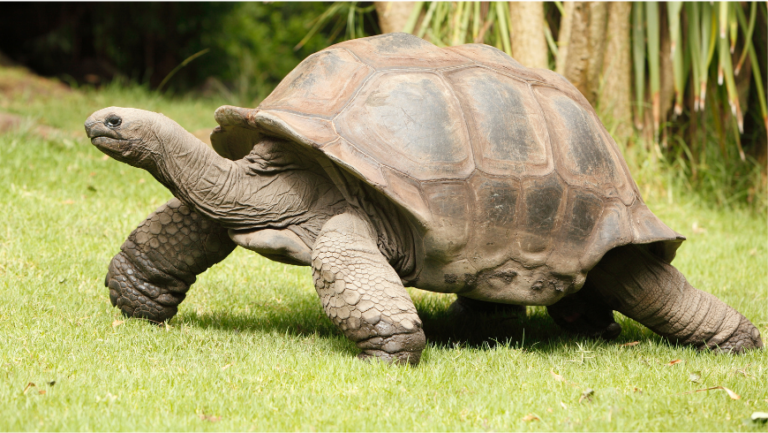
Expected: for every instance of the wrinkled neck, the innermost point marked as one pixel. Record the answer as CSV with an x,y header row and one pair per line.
x,y
193,171
228,192
178,156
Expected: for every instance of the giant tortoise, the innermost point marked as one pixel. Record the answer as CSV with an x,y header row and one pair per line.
x,y
387,162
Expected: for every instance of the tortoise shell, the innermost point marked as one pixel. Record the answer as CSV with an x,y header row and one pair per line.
x,y
494,161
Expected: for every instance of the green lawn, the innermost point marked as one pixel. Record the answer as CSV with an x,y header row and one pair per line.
x,y
252,350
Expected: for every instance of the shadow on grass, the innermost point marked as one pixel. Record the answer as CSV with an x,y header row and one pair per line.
x,y
535,331
298,317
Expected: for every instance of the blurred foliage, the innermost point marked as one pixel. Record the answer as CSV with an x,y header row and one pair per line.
x,y
258,45
252,46
348,16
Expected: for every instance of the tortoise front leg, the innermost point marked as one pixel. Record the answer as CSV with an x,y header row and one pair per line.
x,y
161,258
362,294
645,288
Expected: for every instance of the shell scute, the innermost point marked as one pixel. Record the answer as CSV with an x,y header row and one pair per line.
x,y
496,59
585,211
411,122
449,204
314,130
581,151
582,211
406,192
401,50
613,230
349,156
542,199
496,216
321,85
505,121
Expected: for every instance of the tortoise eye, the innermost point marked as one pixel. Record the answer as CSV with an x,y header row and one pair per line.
x,y
113,121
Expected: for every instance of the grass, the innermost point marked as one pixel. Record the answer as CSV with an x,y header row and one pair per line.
x,y
251,349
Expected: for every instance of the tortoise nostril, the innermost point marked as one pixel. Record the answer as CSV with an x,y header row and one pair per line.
x,y
113,121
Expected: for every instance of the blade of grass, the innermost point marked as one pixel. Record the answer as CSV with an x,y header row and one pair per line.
x,y
559,5
489,21
706,53
747,34
673,18
733,25
456,13
414,17
678,67
477,20
319,22
759,85
758,77
185,62
351,21
502,14
464,26
726,69
442,13
722,20
550,40
694,47
737,139
427,19
497,34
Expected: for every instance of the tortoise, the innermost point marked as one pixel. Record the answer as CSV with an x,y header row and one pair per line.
x,y
387,162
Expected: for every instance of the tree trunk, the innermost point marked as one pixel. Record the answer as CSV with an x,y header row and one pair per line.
x,y
598,19
529,46
567,53
616,98
582,43
393,16
667,75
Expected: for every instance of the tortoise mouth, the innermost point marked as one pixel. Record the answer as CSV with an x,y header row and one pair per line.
x,y
104,140
111,146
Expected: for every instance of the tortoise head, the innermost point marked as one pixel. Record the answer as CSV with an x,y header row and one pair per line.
x,y
131,135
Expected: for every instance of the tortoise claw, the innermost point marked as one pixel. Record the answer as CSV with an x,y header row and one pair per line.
x,y
744,338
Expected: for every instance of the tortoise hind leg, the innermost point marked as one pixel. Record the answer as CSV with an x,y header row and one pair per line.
x,y
161,258
586,313
647,289
362,294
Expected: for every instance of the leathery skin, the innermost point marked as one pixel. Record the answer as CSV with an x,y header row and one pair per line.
x,y
647,289
161,258
362,294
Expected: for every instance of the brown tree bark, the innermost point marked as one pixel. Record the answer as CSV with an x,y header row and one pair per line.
x,y
598,19
582,43
393,16
569,63
616,98
529,46
667,73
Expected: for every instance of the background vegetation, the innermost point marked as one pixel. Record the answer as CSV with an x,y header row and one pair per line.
x,y
680,85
